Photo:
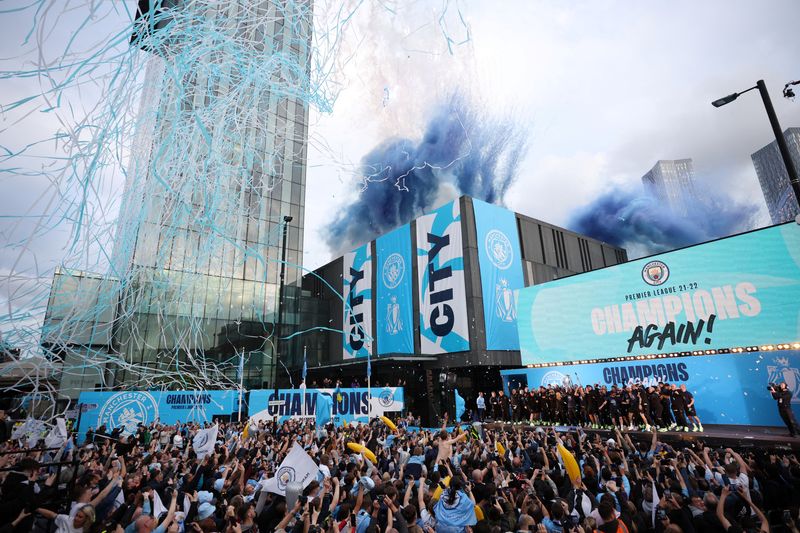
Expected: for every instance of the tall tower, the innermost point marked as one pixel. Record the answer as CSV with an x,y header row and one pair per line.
x,y
672,183
218,163
774,180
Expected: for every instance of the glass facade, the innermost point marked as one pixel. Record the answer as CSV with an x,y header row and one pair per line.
x,y
78,328
672,182
774,180
218,163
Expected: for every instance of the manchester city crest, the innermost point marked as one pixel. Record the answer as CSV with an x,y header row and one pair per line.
x,y
393,270
498,249
128,410
655,273
386,397
556,378
782,372
285,475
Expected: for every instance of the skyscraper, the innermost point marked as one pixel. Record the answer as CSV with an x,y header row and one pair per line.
x,y
672,183
218,164
774,180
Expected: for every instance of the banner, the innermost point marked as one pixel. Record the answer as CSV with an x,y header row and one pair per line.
x,y
349,405
443,324
735,292
297,466
395,320
727,388
500,259
357,303
58,435
131,408
204,441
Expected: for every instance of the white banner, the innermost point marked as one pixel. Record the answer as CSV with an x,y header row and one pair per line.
x,y
58,435
357,304
297,466
204,441
443,321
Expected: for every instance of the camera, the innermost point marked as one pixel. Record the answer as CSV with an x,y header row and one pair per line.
x,y
771,386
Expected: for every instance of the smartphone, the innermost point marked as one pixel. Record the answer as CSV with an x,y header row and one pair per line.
x,y
667,493
787,516
353,520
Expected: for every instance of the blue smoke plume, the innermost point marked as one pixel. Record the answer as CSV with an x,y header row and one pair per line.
x,y
462,151
644,226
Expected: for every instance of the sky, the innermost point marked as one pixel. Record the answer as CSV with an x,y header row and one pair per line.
x,y
603,90
600,90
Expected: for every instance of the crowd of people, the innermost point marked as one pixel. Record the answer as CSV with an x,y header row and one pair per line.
x,y
466,479
661,407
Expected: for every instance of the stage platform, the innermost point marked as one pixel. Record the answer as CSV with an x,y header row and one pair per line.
x,y
714,435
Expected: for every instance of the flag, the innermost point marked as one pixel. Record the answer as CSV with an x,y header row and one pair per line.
x,y
460,406
323,408
158,505
459,514
21,429
246,432
338,392
656,500
58,435
369,365
305,366
297,466
204,440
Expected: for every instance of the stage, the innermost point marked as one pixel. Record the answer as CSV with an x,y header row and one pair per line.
x,y
714,435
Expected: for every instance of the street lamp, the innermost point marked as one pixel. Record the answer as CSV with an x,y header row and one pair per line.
x,y
776,129
279,329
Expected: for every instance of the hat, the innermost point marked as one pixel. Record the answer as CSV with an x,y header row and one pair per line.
x,y
611,486
204,496
205,510
611,442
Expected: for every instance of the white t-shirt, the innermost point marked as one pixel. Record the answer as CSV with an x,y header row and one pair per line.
x,y
427,519
64,524
325,470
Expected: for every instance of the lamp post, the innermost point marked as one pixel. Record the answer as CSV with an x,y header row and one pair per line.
x,y
279,328
776,129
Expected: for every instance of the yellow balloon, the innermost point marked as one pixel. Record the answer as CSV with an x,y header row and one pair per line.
x,y
500,448
438,492
570,464
478,513
363,450
389,423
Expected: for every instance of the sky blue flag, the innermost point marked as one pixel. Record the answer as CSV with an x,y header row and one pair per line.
x,y
369,365
305,365
457,515
460,406
323,409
